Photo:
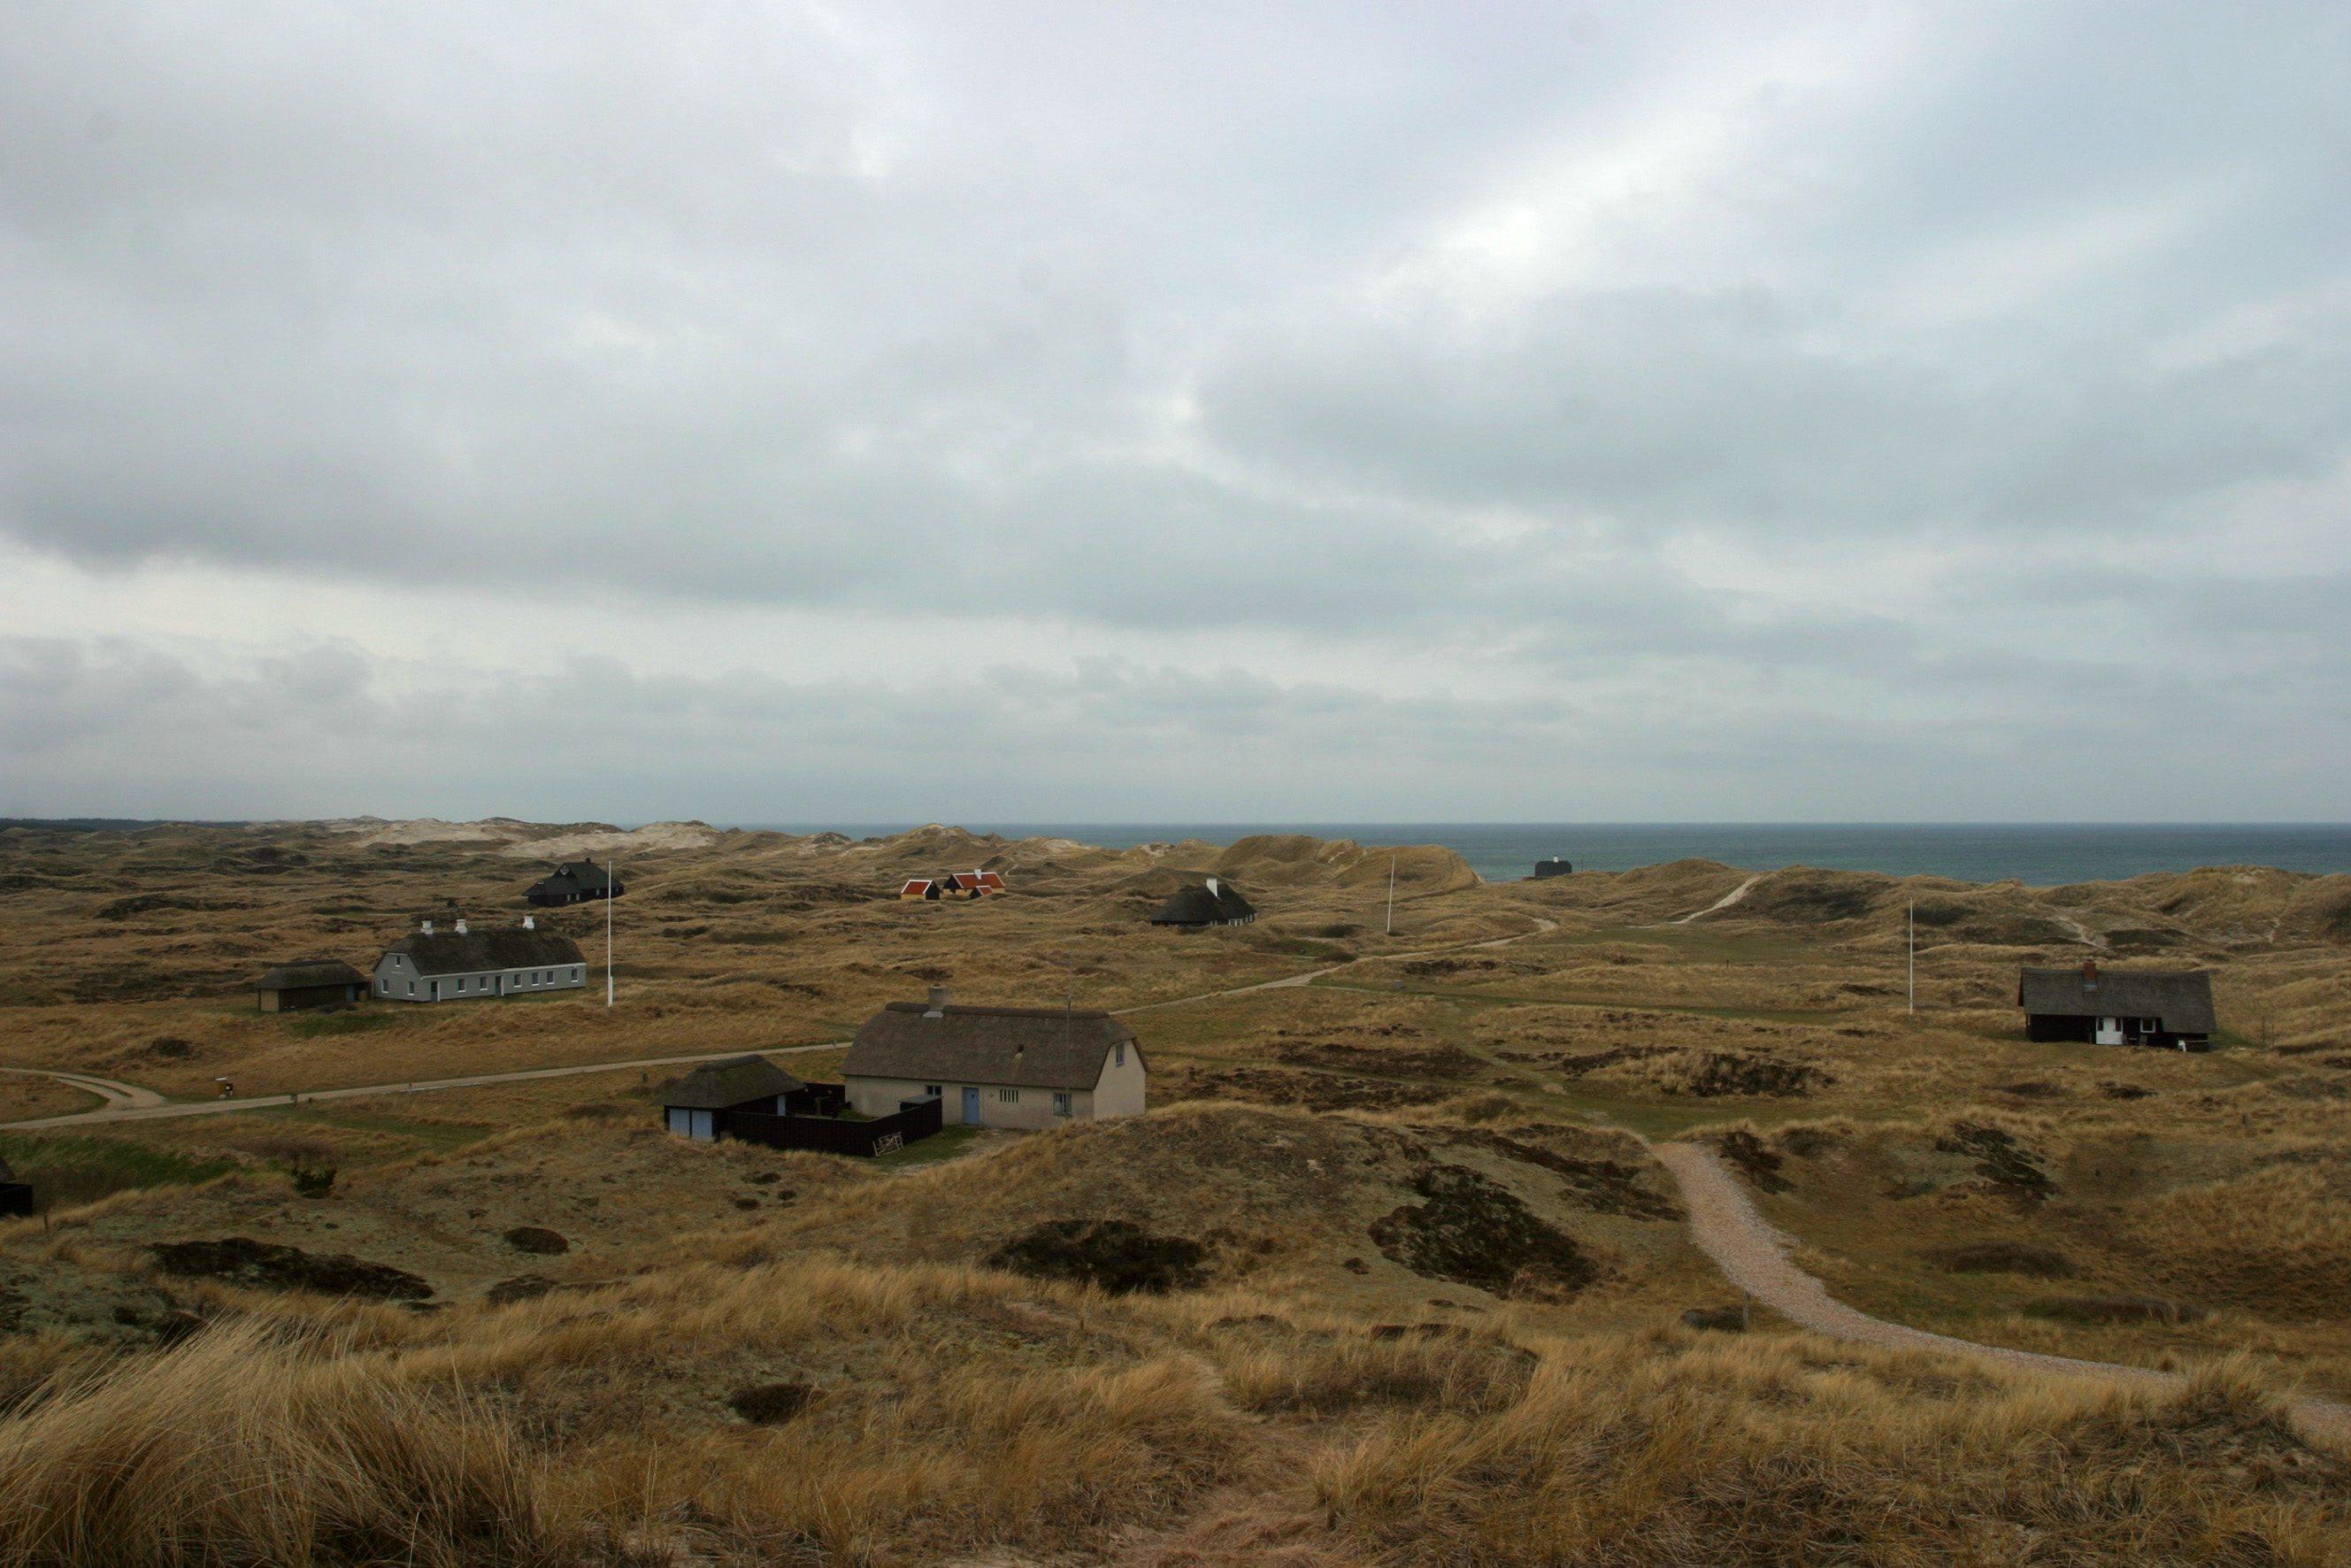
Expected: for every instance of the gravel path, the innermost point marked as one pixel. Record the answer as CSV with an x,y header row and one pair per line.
x,y
154,1107
118,1095
1754,1254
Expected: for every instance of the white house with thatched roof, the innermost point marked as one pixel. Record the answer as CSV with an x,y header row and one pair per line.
x,y
997,1067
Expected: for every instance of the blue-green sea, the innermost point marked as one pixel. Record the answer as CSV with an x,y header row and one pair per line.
x,y
2041,854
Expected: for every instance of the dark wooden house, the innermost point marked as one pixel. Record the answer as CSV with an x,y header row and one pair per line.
x,y
2172,1009
691,1104
1215,901
575,882
310,983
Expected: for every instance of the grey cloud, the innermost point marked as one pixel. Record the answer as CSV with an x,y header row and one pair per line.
x,y
1094,320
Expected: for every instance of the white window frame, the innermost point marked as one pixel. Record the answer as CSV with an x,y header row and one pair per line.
x,y
1062,1098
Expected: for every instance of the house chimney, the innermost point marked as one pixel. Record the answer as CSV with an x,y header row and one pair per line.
x,y
2089,974
530,923
461,926
426,928
938,1008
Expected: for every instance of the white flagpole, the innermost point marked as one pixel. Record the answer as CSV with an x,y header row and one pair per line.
x,y
1914,955
608,934
1391,895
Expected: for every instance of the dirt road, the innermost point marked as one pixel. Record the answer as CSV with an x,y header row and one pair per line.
x,y
1754,1254
155,1108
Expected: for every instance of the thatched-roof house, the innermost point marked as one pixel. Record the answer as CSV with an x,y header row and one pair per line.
x,y
1215,901
2119,1007
997,1067
574,881
310,983
737,1083
463,964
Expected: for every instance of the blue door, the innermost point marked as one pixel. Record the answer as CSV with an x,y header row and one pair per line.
x,y
971,1107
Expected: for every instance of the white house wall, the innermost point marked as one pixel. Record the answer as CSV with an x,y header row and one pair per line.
x,y
396,980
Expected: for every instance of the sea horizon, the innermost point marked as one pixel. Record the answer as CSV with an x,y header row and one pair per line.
x,y
2038,853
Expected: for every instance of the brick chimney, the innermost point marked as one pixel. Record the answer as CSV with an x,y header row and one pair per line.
x,y
938,1008
2089,974
426,926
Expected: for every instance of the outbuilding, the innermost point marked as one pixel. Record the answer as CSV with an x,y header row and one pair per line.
x,y
310,983
1215,901
1553,867
2172,1009
689,1105
464,965
995,1067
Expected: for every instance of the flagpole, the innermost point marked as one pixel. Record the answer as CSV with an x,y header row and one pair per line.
x,y
1391,895
1914,955
608,934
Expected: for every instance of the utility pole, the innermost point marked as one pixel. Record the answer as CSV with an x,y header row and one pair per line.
x,y
1391,895
608,934
1914,956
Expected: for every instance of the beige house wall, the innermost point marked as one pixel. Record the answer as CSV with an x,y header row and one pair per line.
x,y
1032,1110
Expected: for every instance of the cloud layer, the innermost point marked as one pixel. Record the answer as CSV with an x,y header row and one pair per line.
x,y
1824,411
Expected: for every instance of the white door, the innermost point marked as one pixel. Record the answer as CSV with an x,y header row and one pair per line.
x,y
2110,1031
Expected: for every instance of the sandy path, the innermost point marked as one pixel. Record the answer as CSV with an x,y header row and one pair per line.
x,y
1541,926
154,1108
1754,1254
118,1095
1725,902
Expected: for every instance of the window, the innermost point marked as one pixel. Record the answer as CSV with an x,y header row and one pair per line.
x,y
1010,1096
575,972
933,1090
1061,1101
461,982
412,988
1118,1054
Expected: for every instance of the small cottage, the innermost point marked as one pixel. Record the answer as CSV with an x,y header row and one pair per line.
x,y
1215,901
2127,1006
995,1067
574,881
739,1083
464,965
310,983
962,885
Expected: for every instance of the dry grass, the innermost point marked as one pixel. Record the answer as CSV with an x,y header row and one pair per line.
x,y
1777,1452
245,1449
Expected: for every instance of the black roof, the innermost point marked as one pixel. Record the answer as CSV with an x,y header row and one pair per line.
x,y
715,1085
2182,998
474,952
310,972
1210,903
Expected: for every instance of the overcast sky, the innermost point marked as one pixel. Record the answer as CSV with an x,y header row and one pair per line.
x,y
768,411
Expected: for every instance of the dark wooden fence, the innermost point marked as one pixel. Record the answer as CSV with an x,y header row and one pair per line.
x,y
912,1121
